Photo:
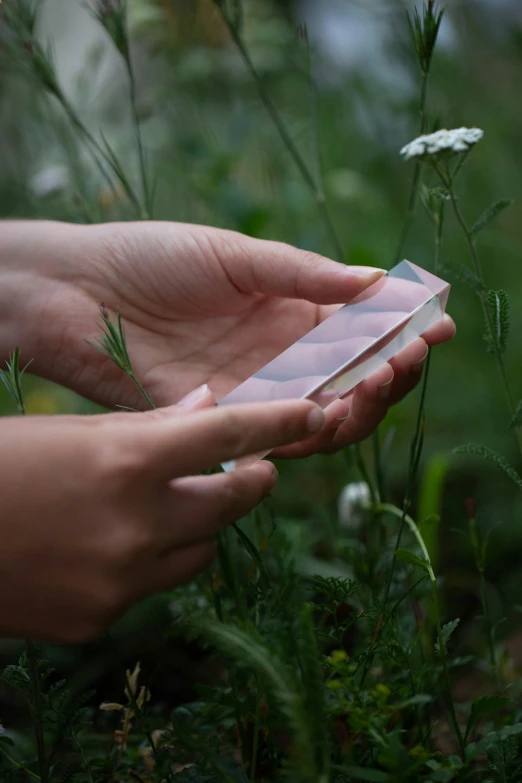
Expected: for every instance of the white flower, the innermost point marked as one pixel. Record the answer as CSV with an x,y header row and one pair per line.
x,y
354,499
48,181
456,140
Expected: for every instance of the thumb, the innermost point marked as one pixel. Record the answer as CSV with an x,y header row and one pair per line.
x,y
277,269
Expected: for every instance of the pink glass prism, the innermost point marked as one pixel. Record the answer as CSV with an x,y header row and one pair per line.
x,y
348,346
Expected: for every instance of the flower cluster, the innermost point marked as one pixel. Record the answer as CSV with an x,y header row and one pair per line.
x,y
456,140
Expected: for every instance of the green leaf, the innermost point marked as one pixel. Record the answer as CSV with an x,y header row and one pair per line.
x,y
447,632
464,275
412,559
252,551
498,305
490,214
491,456
12,377
485,706
250,651
424,31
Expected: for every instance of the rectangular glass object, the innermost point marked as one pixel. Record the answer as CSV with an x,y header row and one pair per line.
x,y
348,346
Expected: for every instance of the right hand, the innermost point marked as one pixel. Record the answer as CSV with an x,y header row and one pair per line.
x,y
100,511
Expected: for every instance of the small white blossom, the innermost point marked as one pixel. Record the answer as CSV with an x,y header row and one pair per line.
x,y
354,499
456,140
49,181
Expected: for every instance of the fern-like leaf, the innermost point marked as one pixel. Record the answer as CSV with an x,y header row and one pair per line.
x,y
249,651
490,214
447,633
498,305
491,456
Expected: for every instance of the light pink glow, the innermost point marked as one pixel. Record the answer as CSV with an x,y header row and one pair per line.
x,y
345,349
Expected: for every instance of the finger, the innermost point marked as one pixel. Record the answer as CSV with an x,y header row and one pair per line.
x,y
320,443
348,420
408,366
181,566
277,269
197,507
198,399
170,446
440,332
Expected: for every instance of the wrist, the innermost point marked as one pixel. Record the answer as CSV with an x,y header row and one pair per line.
x,y
34,258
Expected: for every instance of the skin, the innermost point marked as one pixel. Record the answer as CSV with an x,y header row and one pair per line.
x,y
115,511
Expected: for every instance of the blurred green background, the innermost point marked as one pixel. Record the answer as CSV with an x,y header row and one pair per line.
x,y
216,159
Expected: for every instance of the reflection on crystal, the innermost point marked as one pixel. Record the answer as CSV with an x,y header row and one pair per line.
x,y
329,361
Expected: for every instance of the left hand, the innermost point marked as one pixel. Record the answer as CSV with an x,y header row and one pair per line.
x,y
199,305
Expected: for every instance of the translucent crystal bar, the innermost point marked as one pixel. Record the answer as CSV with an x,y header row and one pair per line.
x,y
348,346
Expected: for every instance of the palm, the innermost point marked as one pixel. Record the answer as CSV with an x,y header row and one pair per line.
x,y
186,323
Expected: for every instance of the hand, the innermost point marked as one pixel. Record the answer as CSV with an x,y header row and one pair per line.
x,y
200,305
100,511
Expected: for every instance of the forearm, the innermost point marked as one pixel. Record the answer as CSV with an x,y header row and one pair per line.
x,y
33,256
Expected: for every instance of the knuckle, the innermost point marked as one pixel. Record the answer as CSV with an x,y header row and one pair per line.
x,y
229,495
236,437
240,495
310,259
119,462
127,539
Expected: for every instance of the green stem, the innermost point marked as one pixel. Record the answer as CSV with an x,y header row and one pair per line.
x,y
224,562
416,446
386,507
83,757
15,764
147,397
414,191
448,182
415,453
32,660
439,228
147,210
378,466
98,153
285,136
365,473
489,626
444,659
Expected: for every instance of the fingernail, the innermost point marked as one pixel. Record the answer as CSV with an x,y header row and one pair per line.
x,y
275,477
385,389
192,399
316,420
366,272
417,367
